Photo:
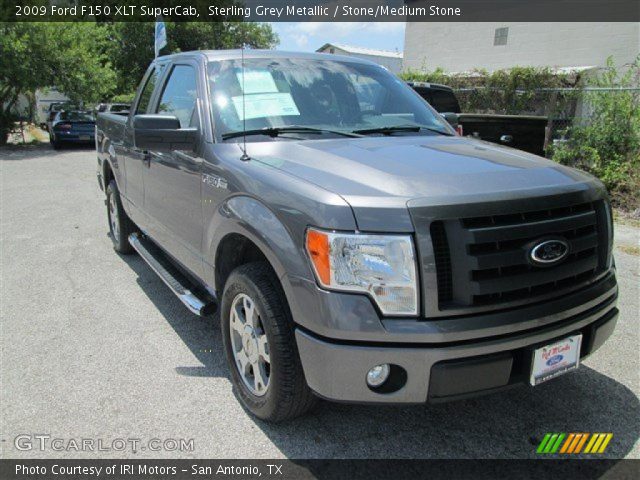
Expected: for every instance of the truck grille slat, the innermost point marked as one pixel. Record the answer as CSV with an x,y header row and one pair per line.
x,y
485,260
502,280
524,230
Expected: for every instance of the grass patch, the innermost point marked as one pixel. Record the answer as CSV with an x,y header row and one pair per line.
x,y
630,249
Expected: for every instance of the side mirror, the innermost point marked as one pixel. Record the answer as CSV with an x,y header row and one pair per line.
x,y
162,133
451,117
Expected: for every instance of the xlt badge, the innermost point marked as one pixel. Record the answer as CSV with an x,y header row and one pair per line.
x,y
214,181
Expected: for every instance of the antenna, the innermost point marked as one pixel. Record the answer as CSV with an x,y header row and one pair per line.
x,y
244,156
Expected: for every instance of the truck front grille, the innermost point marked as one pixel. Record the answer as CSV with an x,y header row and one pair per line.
x,y
483,260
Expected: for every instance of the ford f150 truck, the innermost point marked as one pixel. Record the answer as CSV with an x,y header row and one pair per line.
x,y
358,250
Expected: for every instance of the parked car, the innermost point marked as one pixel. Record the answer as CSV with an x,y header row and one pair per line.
x,y
72,127
122,108
357,248
54,109
524,132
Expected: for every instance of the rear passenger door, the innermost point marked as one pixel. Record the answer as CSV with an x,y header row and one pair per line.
x,y
135,160
173,179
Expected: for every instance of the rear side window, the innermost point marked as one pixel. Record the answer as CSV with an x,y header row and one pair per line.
x,y
179,95
145,95
444,101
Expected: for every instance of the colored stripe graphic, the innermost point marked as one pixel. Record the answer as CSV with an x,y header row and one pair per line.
x,y
596,446
572,443
543,443
582,442
567,443
556,445
592,440
550,443
605,443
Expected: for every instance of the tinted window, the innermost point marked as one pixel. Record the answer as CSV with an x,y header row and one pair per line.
x,y
179,95
145,96
119,108
444,101
77,116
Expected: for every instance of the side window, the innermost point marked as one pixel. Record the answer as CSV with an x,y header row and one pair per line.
x,y
145,95
444,101
179,95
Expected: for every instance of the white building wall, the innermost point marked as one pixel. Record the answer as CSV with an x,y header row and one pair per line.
x,y
458,47
394,65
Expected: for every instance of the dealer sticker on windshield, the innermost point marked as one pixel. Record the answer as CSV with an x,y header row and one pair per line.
x,y
556,359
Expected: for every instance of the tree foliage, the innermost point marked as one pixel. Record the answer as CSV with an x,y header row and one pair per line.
x,y
69,56
92,62
133,43
607,142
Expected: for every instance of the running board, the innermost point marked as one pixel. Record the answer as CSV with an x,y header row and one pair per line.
x,y
171,276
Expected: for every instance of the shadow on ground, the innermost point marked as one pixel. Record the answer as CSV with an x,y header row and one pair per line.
x,y
39,151
509,424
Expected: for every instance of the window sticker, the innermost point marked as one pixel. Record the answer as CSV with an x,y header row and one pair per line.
x,y
261,105
256,81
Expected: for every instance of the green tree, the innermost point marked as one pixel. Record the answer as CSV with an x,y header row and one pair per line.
x,y
607,142
70,56
132,43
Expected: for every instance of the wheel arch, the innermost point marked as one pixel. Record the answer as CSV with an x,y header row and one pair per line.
x,y
244,229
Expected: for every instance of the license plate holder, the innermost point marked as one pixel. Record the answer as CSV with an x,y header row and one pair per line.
x,y
85,137
555,359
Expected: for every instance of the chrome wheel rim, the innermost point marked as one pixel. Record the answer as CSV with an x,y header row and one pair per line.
x,y
249,344
113,216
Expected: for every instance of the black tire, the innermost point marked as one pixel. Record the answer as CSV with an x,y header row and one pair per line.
x,y
120,226
56,144
287,395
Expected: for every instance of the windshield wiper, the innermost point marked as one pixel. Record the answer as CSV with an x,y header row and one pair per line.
x,y
276,131
401,128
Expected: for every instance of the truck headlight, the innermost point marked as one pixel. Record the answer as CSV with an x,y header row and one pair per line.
x,y
382,266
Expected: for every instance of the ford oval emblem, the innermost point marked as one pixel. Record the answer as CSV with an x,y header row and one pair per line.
x,y
554,360
549,252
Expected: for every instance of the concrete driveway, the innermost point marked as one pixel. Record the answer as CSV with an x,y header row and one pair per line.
x,y
94,346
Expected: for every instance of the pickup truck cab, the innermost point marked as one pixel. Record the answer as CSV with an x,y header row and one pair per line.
x,y
357,249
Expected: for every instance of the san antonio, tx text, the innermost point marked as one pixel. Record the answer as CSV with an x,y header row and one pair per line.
x,y
120,469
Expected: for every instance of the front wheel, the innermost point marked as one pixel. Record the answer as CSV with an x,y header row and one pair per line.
x,y
259,343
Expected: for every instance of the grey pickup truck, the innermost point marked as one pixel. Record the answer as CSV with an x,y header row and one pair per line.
x,y
357,249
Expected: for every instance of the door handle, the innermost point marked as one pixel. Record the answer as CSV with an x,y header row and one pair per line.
x,y
506,139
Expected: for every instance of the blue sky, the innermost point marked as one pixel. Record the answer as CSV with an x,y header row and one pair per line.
x,y
309,36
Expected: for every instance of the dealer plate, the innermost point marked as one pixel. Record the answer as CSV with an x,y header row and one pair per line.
x,y
85,137
556,359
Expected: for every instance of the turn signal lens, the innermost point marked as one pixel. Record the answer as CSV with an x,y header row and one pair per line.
x,y
318,248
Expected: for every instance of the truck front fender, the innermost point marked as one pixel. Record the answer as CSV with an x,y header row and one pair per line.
x,y
247,216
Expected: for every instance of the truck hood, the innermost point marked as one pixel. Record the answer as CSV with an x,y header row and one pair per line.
x,y
377,174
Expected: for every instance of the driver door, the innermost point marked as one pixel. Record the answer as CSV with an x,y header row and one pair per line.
x,y
172,194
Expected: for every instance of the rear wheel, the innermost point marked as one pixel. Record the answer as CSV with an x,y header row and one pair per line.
x,y
262,354
120,226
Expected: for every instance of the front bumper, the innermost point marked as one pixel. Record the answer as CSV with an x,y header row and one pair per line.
x,y
336,369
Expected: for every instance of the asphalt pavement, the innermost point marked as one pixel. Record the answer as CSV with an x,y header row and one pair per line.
x,y
95,347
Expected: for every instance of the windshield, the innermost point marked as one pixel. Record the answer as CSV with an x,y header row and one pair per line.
x,y
325,94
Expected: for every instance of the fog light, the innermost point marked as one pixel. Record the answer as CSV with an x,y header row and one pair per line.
x,y
378,375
